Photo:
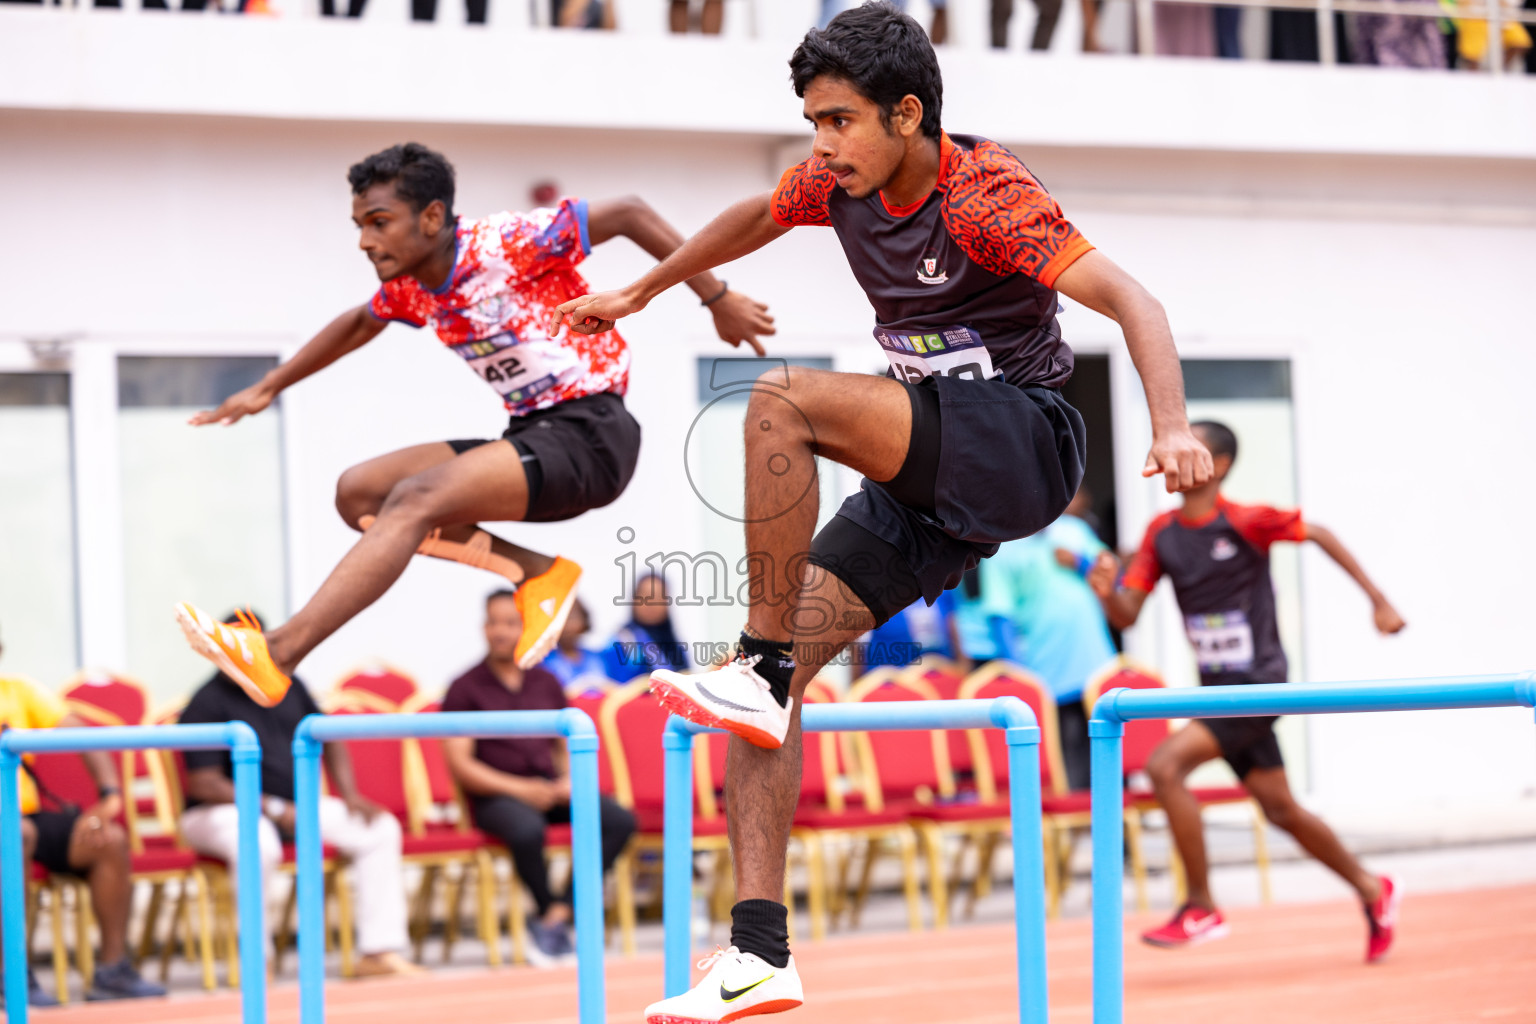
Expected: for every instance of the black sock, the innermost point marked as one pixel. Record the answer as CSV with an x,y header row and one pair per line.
x,y
761,927
777,666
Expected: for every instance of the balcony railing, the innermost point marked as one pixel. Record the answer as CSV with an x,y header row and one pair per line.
x,y
744,17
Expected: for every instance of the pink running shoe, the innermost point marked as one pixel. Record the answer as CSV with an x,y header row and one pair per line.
x,y
1382,917
1190,927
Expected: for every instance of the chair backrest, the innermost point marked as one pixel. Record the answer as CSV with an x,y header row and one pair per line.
x,y
946,679
378,766
590,699
124,698
900,765
141,772
819,754
389,685
988,746
631,724
1142,736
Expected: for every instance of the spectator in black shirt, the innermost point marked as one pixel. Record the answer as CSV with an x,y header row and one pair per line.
x,y
364,832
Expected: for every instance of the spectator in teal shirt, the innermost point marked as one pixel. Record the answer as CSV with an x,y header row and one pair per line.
x,y
1036,600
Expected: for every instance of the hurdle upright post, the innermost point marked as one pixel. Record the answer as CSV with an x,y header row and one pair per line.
x,y
245,752
677,857
586,837
1023,738
13,888
1107,788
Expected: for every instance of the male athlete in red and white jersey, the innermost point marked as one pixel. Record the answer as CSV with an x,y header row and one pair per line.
x,y
488,287
967,443
1216,553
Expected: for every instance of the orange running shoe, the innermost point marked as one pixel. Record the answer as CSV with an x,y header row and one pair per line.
x,y
545,602
240,652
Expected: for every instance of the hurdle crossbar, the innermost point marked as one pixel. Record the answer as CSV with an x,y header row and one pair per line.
x,y
1022,732
245,752
1106,731
586,839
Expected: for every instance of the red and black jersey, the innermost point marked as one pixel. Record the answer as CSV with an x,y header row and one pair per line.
x,y
1220,572
962,280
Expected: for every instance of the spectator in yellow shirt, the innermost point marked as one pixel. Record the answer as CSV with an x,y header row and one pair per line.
x,y
87,843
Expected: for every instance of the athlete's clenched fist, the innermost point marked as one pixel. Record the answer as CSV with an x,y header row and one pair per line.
x,y
1182,460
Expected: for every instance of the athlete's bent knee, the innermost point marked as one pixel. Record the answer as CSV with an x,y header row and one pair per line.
x,y
414,498
355,498
1165,770
1281,813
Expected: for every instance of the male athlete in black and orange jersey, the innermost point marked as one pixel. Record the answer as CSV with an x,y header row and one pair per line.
x,y
967,443
1216,553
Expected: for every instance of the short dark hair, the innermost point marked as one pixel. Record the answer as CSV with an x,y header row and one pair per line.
x,y
420,175
881,52
496,595
1218,438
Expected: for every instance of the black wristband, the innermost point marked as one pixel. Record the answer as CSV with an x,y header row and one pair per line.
x,y
725,286
105,791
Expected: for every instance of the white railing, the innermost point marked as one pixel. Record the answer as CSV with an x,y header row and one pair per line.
x,y
745,16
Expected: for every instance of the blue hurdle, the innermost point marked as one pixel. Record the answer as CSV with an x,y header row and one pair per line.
x,y
237,737
586,839
1107,728
1008,713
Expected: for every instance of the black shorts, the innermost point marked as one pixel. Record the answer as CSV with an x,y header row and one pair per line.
x,y
578,455
54,829
987,462
1246,743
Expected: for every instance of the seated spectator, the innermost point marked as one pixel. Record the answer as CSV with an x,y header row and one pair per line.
x,y
86,842
648,641
1392,40
366,834
570,662
518,785
708,15
916,630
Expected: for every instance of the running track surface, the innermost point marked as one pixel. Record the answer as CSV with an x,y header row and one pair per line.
x,y
1460,957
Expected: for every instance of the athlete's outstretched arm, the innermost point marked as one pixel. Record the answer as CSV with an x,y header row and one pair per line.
x,y
347,333
1096,282
738,318
745,227
1387,619
1122,605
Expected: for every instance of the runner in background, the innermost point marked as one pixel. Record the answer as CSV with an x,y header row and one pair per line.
x,y
1217,555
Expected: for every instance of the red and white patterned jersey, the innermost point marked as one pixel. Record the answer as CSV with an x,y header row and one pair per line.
x,y
510,271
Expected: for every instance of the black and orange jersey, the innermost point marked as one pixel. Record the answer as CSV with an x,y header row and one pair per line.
x,y
962,281
1219,566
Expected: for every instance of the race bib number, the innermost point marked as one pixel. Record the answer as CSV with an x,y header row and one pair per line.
x,y
520,370
950,352
1223,642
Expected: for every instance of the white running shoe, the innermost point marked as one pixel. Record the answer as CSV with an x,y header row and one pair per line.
x,y
737,985
733,698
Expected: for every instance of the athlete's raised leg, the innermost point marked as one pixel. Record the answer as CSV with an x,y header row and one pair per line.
x,y
862,422
487,482
362,490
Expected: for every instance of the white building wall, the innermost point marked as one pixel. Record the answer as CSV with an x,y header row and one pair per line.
x,y
1377,229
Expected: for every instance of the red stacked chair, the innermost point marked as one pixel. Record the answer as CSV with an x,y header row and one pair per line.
x,y
1144,736
395,775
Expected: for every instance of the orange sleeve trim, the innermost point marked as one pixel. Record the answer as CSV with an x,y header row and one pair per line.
x,y
1070,254
774,205
1135,582
1299,528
